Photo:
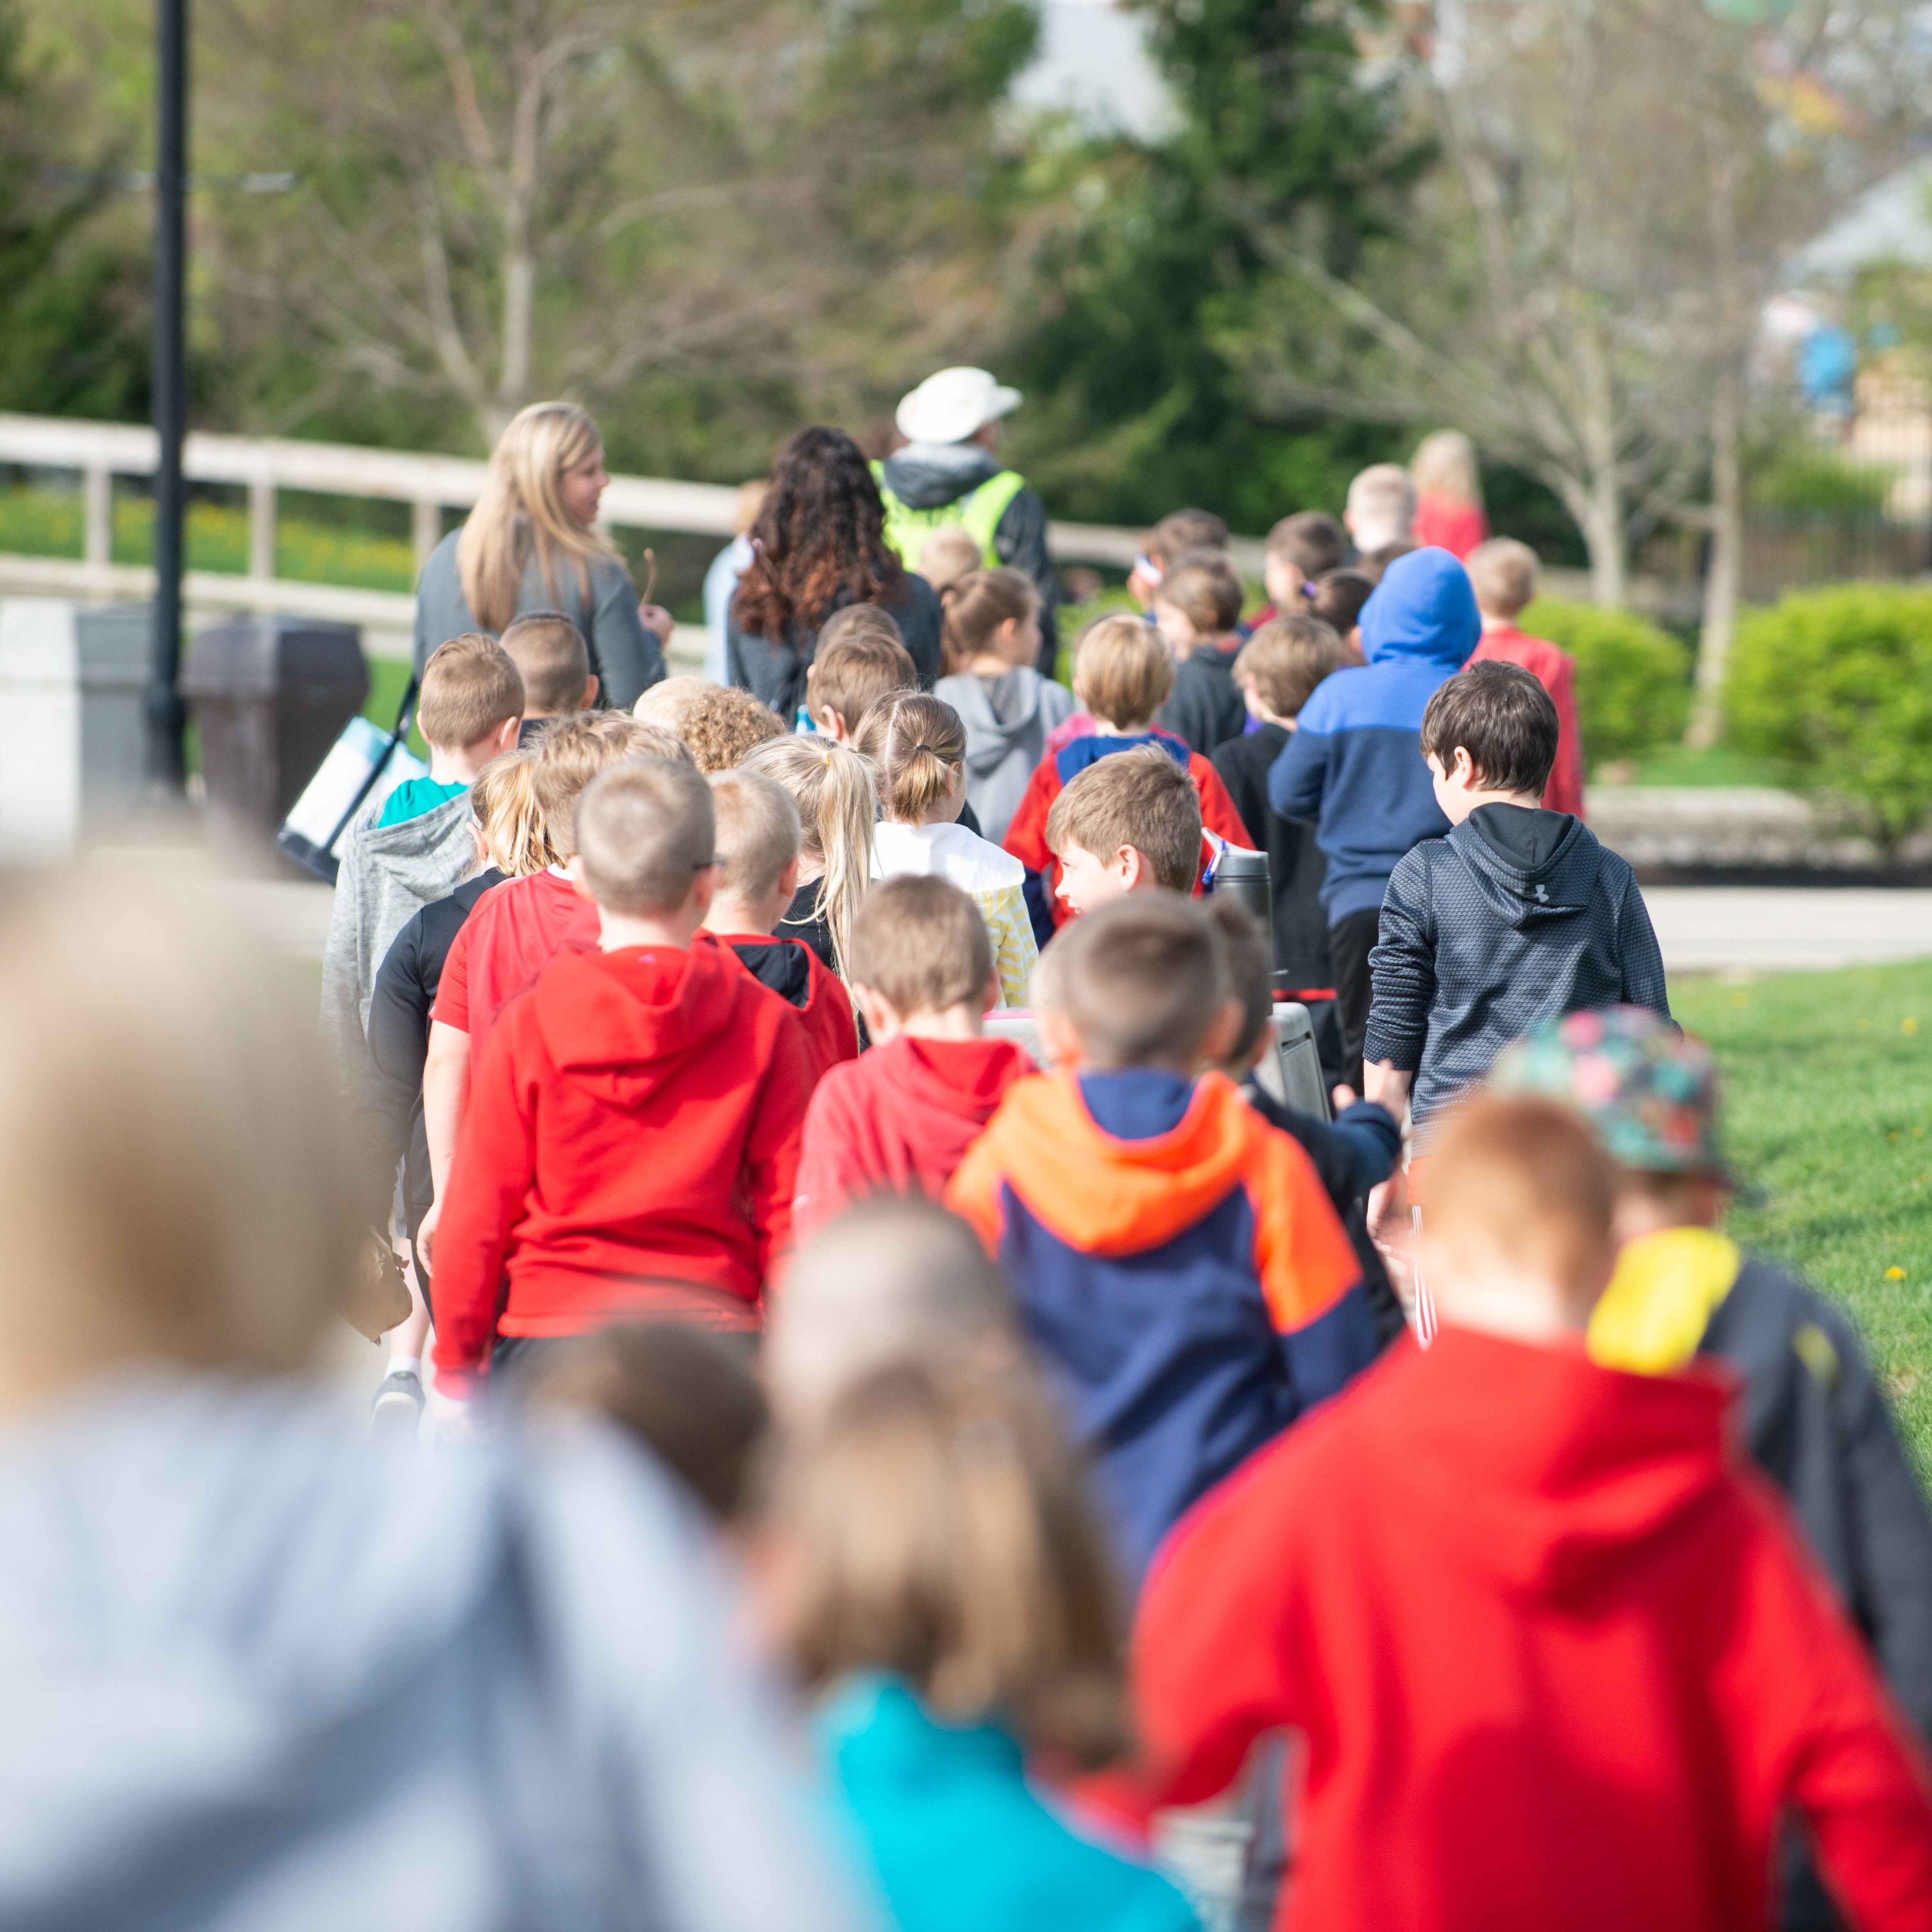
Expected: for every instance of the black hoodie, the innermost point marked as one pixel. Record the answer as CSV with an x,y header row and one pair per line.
x,y
1517,917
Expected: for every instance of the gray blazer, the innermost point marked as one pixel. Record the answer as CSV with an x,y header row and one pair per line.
x,y
624,654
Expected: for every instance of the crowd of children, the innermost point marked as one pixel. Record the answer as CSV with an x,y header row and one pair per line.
x,y
832,1155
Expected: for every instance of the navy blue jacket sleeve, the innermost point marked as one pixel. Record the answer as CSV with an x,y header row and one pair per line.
x,y
1373,1139
1325,1354
1402,966
1297,778
1643,960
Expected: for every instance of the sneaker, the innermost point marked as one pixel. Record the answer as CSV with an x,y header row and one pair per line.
x,y
399,1406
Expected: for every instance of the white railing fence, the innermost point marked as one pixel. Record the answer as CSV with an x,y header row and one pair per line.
x,y
429,484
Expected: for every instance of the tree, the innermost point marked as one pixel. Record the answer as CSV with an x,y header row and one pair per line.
x,y
502,200
1146,267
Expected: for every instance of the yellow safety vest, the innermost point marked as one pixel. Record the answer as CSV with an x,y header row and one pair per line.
x,y
977,513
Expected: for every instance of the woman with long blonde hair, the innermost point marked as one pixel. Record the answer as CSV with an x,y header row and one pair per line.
x,y
1448,493
531,543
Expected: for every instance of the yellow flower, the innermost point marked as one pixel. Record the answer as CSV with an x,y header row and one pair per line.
x,y
1894,1274
1908,1026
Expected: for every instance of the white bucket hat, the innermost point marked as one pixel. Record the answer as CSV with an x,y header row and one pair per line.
x,y
951,405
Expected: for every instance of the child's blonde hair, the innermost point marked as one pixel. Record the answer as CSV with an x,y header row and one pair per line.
x,y
1444,465
1502,573
549,649
1286,658
645,829
1122,669
723,725
758,833
950,553
939,1530
838,806
573,750
1139,797
471,686
668,702
922,942
177,1175
505,802
917,742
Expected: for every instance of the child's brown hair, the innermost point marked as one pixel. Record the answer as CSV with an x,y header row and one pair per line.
x,y
977,604
549,651
1309,541
1122,669
938,1529
1337,598
1287,657
645,830
1141,981
688,1396
1141,798
1502,717
921,942
1502,573
1181,530
723,725
758,832
838,801
918,745
470,687
1204,586
858,669
573,750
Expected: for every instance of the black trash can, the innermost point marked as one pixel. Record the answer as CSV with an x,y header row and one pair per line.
x,y
270,695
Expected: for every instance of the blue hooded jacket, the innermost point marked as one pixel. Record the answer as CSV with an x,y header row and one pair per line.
x,y
1354,763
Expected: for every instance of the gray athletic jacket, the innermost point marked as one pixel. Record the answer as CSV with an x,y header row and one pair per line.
x,y
1517,917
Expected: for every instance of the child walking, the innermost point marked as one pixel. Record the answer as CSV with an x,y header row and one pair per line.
x,y
631,1148
838,801
992,638
940,1583
918,745
1197,610
1518,917
1502,573
898,1119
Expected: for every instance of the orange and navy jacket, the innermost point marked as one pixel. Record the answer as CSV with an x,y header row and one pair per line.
x,y
1178,1267
1026,833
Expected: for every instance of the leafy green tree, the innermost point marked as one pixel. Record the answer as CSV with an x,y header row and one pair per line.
x,y
1139,394
74,311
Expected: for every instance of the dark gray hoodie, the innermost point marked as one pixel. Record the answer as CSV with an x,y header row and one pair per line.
x,y
1517,917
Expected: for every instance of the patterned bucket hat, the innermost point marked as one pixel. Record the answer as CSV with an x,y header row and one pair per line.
x,y
1648,1089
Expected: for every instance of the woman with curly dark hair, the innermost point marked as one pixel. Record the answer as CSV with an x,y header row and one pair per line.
x,y
817,546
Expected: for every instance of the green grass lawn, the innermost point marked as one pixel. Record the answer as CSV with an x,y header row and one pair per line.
x,y
1828,1111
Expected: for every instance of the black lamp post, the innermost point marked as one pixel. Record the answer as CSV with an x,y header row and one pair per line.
x,y
166,770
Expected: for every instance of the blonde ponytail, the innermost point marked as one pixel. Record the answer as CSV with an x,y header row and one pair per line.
x,y
916,741
505,801
837,807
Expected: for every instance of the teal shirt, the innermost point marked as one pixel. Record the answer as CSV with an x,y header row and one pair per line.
x,y
958,1841
415,796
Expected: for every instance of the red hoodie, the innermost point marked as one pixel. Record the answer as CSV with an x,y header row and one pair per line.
x,y
1556,670
1556,1655
789,968
513,932
635,1121
899,1119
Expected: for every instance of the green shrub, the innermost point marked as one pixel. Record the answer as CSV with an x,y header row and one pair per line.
x,y
1836,685
1820,482
1633,680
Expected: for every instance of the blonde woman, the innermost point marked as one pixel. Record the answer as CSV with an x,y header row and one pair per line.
x,y
917,743
532,544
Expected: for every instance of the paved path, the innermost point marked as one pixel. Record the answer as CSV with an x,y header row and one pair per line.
x,y
1702,928
1777,928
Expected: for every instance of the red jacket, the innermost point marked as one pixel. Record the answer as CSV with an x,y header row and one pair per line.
x,y
1445,523
789,968
513,932
635,1121
1556,1656
1026,834
1556,671
899,1119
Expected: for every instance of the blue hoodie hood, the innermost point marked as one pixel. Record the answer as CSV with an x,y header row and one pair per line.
x,y
1423,607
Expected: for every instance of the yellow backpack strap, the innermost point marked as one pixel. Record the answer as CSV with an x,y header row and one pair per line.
x,y
1667,1287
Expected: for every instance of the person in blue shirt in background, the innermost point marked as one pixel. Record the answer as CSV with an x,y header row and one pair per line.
x,y
1354,764
939,1579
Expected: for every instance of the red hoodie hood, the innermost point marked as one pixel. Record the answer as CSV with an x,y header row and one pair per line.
x,y
1536,1467
624,1022
959,1080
